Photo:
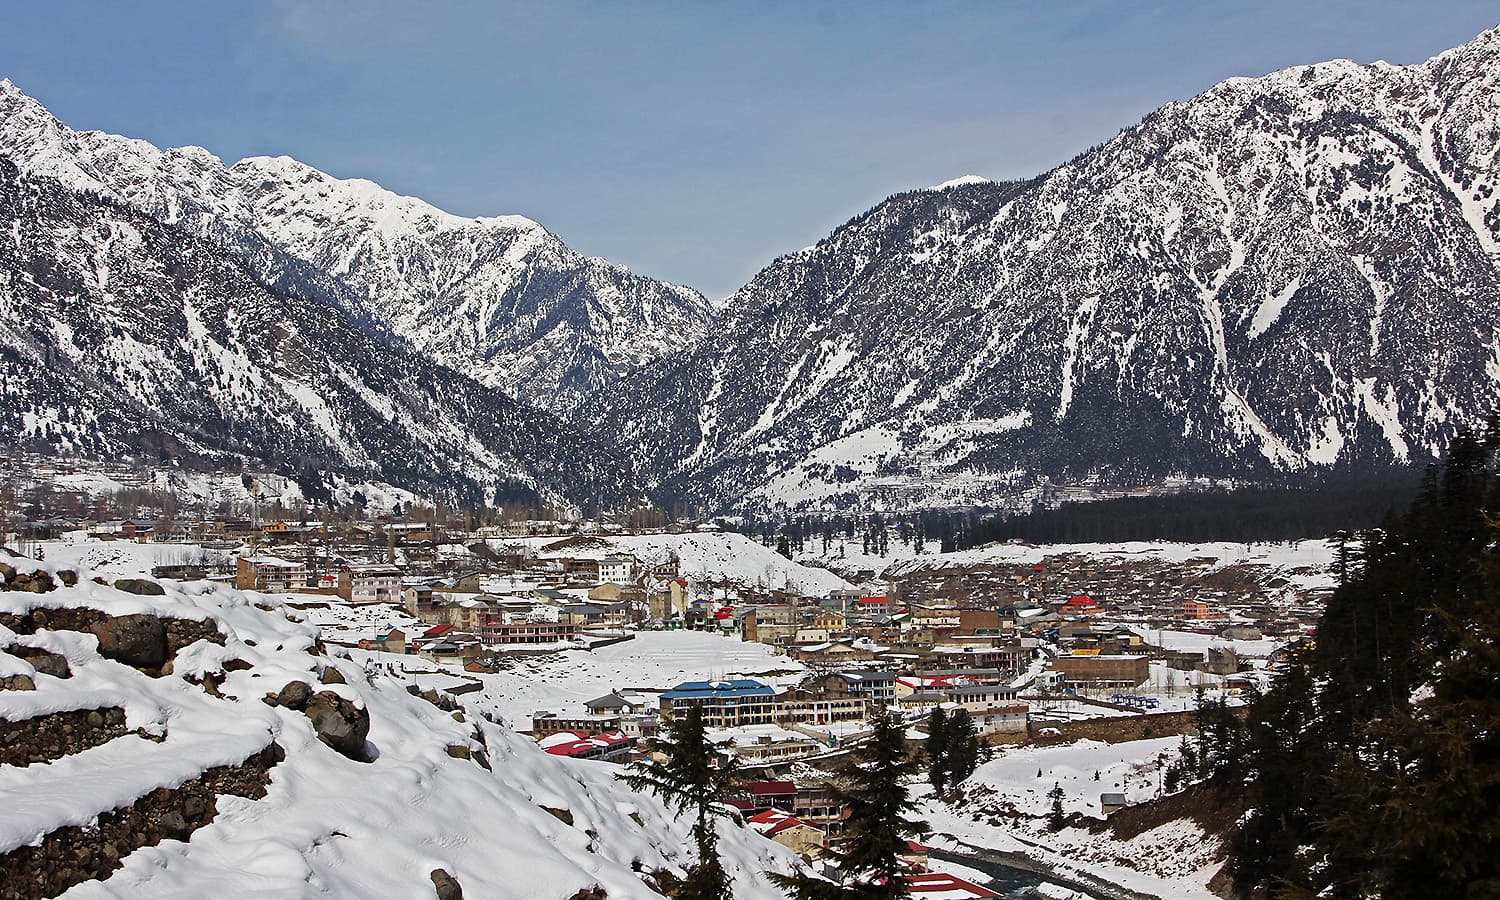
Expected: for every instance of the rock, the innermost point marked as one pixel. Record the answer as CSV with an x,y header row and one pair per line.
x,y
44,661
445,885
194,807
483,759
138,640
39,617
332,676
19,683
139,586
458,751
95,719
165,670
68,577
236,664
173,823
8,572
339,723
295,695
114,716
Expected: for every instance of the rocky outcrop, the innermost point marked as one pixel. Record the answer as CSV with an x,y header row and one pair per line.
x,y
446,886
42,739
136,640
71,855
141,586
340,724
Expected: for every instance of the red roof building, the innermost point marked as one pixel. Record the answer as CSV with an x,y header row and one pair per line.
x,y
948,887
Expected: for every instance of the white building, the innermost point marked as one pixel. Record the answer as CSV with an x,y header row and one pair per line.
x,y
618,569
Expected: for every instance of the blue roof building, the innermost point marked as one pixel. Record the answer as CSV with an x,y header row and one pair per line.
x,y
725,704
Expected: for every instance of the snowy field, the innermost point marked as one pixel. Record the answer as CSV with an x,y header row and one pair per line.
x,y
1006,804
657,660
1306,564
704,558
118,559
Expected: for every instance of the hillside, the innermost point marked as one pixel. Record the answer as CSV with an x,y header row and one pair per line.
x,y
124,336
347,786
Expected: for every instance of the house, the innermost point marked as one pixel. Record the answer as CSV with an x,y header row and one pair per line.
x,y
1198,611
947,887
393,641
1111,802
617,568
916,855
799,836
269,573
1102,671
667,599
725,704
618,703
868,607
1002,718
371,584
611,746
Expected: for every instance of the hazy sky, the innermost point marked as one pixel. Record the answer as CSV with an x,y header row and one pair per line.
x,y
695,141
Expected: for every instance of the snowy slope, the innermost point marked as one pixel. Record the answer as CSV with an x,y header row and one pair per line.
x,y
500,298
123,336
705,560
328,825
1285,274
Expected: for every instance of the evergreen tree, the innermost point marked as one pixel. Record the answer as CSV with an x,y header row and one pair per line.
x,y
692,777
937,749
1055,818
872,792
963,746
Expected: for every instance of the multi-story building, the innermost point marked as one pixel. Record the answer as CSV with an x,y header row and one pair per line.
x,y
269,573
725,704
371,584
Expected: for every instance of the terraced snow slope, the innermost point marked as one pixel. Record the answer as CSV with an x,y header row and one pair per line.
x,y
328,825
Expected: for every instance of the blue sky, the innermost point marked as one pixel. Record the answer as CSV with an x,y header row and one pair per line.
x,y
695,141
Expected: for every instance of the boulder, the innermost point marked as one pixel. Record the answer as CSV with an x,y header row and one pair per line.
x,y
332,676
139,586
17,683
44,661
339,723
458,751
295,695
138,640
446,886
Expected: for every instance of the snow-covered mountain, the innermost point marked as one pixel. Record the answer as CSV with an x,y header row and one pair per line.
x,y
121,335
500,299
1285,274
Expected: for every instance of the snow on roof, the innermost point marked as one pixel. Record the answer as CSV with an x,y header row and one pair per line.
x,y
942,886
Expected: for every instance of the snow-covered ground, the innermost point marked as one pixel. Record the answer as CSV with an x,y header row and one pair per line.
x,y
1193,642
656,660
705,559
1306,564
124,558
1006,804
328,825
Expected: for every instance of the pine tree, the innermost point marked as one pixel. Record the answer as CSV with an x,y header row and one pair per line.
x,y
1056,818
691,777
963,746
873,794
938,761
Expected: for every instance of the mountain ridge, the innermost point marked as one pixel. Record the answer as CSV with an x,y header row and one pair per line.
x,y
499,298
1290,273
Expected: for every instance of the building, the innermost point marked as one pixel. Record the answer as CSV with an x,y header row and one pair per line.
x,y
544,723
799,836
1102,671
269,573
1002,718
372,584
618,703
617,568
609,746
725,704
944,886
503,628
393,641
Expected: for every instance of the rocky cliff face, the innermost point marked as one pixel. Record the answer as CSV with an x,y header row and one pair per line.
x,y
1286,274
122,335
500,299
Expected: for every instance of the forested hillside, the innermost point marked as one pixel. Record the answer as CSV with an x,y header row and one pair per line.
x,y
1372,765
